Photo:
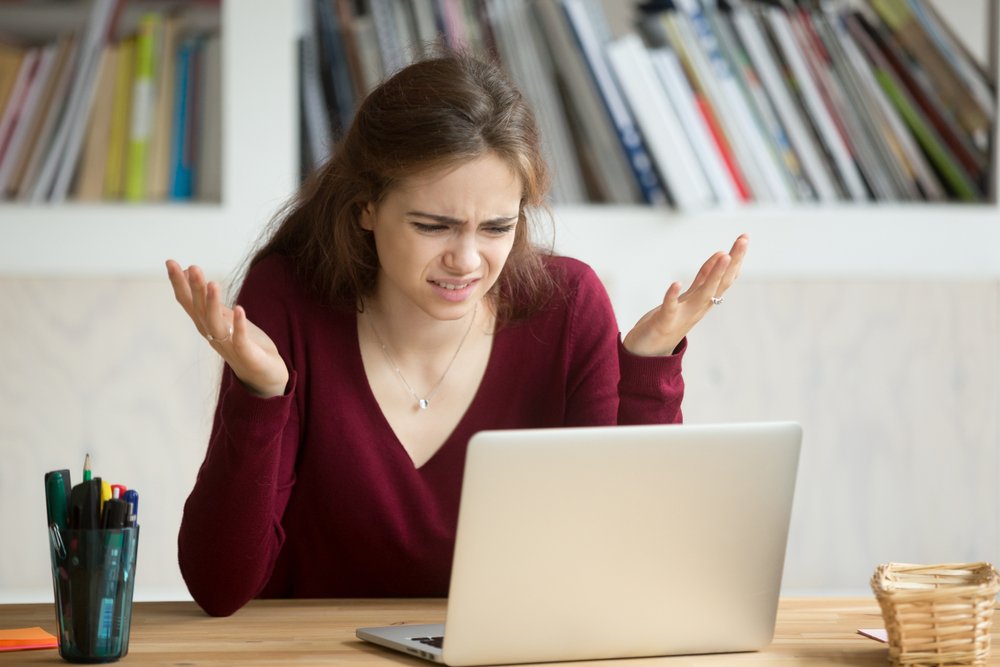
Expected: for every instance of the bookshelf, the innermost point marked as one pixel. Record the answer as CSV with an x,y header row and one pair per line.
x,y
260,165
258,157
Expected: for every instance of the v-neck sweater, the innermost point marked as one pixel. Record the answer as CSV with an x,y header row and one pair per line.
x,y
311,494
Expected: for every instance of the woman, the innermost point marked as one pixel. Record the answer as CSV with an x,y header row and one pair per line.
x,y
398,308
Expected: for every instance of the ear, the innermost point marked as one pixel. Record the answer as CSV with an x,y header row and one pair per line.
x,y
367,217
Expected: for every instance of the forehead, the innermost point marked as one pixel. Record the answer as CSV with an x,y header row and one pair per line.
x,y
486,182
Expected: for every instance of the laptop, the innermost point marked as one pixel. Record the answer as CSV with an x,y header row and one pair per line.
x,y
614,542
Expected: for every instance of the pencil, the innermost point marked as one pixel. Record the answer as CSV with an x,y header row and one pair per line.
x,y
86,469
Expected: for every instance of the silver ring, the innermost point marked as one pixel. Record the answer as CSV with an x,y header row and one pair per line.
x,y
212,339
716,300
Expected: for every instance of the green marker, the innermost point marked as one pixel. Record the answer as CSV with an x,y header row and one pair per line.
x,y
57,498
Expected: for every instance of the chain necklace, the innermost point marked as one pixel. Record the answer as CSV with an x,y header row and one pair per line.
x,y
425,402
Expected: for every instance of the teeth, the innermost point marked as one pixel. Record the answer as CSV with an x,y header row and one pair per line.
x,y
450,286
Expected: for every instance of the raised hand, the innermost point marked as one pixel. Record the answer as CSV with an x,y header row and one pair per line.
x,y
246,348
660,330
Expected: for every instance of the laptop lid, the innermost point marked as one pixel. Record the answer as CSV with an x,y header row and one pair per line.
x,y
620,541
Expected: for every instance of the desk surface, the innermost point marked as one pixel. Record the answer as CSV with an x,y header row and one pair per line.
x,y
321,632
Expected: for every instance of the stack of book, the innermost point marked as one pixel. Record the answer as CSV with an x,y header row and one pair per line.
x,y
695,103
111,112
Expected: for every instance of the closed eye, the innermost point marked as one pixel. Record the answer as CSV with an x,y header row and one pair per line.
x,y
500,230
428,229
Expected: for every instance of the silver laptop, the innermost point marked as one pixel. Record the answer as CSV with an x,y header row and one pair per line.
x,y
613,542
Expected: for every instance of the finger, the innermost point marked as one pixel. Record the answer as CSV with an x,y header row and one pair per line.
x,y
182,290
670,300
737,254
199,297
216,321
705,271
241,331
713,284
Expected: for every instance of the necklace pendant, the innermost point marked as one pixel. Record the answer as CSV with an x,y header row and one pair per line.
x,y
423,403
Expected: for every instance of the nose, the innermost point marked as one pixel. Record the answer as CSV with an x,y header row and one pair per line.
x,y
462,255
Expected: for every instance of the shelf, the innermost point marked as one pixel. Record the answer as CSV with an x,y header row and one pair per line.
x,y
132,240
918,241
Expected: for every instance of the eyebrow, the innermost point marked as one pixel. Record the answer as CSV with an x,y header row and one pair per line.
x,y
447,220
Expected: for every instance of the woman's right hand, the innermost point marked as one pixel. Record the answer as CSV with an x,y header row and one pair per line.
x,y
246,348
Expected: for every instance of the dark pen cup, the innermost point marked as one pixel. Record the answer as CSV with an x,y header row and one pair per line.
x,y
93,576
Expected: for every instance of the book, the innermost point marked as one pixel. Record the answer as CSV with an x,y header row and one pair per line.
x,y
751,147
664,28
527,60
819,113
184,149
37,132
18,94
20,114
600,150
939,155
334,66
93,162
943,81
590,47
760,104
671,76
158,159
208,185
60,163
114,172
881,165
141,115
975,78
661,129
768,68
897,136
933,109
10,63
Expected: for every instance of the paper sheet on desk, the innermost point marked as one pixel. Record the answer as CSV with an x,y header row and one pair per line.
x,y
875,633
23,639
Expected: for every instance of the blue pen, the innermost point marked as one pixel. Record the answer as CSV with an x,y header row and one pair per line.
x,y
132,498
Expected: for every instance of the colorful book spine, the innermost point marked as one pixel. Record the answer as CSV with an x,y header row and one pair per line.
x,y
143,106
182,154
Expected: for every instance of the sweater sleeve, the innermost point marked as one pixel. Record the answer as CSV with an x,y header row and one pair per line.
x,y
607,383
231,533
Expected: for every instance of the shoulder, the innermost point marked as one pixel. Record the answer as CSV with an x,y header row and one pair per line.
x,y
571,275
273,276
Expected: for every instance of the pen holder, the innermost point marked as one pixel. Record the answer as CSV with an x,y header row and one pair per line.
x,y
937,614
93,575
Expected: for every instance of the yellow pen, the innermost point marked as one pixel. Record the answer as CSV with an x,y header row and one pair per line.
x,y
105,494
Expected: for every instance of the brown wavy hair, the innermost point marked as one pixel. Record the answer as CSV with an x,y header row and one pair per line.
x,y
439,112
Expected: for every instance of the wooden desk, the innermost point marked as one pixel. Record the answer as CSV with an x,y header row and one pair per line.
x,y
321,632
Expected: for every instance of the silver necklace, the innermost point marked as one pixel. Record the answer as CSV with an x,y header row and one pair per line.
x,y
425,402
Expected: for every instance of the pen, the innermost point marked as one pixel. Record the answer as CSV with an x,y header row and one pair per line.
x,y
85,505
118,490
57,489
105,494
132,498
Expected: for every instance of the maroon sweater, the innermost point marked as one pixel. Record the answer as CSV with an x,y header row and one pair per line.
x,y
310,494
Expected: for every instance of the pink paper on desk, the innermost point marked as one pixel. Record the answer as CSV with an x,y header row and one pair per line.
x,y
877,634
24,639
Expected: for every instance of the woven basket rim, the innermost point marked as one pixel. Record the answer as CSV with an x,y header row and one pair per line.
x,y
982,577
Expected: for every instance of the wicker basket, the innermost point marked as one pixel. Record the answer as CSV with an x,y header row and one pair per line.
x,y
937,614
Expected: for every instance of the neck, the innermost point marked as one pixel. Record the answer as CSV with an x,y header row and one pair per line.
x,y
415,334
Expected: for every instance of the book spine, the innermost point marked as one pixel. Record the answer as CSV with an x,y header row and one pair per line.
x,y
143,107
591,49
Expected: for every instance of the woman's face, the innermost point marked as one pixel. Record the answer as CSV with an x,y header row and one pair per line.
x,y
444,236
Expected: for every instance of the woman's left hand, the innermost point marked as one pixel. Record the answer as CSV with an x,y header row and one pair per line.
x,y
662,329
